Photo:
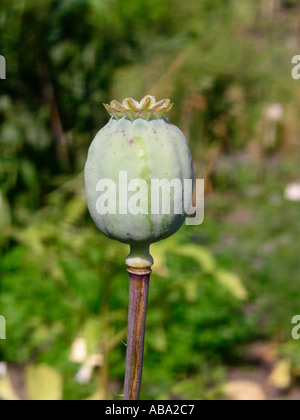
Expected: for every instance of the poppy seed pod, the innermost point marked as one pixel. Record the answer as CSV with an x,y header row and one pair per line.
x,y
137,153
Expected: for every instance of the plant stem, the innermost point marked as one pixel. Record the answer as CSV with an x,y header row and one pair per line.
x,y
138,298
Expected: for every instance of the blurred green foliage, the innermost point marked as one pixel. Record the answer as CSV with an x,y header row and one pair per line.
x,y
215,287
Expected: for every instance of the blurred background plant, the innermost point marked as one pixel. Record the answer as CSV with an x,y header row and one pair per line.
x,y
221,328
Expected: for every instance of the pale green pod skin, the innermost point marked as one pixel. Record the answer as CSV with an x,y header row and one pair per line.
x,y
147,150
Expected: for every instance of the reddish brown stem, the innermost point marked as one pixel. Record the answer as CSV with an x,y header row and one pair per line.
x,y
138,298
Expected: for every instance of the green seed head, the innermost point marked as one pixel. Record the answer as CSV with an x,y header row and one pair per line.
x,y
137,148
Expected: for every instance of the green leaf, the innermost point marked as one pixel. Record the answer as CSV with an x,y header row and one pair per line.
x,y
6,390
199,253
43,383
232,282
92,332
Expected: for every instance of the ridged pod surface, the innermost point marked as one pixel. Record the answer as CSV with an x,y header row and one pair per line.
x,y
140,142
